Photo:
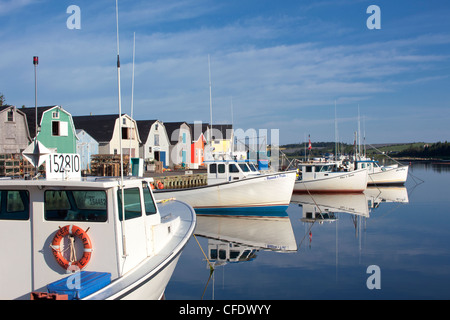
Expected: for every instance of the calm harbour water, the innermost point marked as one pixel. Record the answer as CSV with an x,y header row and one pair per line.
x,y
403,231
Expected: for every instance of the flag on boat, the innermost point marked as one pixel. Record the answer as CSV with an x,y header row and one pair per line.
x,y
309,145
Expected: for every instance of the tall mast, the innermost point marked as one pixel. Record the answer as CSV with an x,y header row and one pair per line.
x,y
359,134
35,63
335,133
124,249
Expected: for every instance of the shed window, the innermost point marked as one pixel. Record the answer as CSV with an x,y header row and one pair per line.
x,y
10,116
60,128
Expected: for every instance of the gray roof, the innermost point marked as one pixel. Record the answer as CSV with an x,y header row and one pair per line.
x,y
99,127
144,127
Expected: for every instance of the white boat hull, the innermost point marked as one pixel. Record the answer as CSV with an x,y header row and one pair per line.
x,y
149,287
150,278
268,191
390,175
335,182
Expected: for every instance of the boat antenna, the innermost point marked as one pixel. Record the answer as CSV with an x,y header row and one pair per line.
x,y
210,103
120,135
132,94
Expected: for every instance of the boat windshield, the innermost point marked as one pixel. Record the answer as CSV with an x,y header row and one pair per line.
x,y
325,168
150,207
244,167
75,205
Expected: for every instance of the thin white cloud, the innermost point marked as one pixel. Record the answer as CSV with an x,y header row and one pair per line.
x,y
10,6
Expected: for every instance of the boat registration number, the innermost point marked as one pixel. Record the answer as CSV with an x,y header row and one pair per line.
x,y
63,166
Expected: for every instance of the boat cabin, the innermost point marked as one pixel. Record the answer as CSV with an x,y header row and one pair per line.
x,y
372,166
312,171
229,170
38,210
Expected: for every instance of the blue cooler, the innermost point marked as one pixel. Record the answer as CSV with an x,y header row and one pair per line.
x,y
80,284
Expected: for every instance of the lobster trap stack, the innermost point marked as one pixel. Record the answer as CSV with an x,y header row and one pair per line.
x,y
14,165
108,165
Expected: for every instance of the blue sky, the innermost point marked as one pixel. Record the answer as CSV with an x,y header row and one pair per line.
x,y
276,64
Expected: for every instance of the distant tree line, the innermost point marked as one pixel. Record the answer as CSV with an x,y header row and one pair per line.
x,y
435,150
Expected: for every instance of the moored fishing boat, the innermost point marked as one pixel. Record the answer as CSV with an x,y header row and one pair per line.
x,y
73,239
383,175
233,186
325,177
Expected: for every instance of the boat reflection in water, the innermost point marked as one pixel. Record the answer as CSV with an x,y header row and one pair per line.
x,y
324,207
238,238
377,195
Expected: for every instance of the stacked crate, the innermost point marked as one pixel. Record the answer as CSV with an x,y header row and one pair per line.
x,y
108,165
14,165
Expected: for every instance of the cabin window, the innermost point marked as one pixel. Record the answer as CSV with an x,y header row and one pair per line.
x,y
150,207
244,167
132,203
75,205
14,205
221,168
308,169
213,168
10,116
233,168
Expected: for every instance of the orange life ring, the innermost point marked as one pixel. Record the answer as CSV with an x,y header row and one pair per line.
x,y
56,244
159,185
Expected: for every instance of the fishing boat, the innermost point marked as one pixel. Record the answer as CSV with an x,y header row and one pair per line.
x,y
233,188
326,177
76,239
383,175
